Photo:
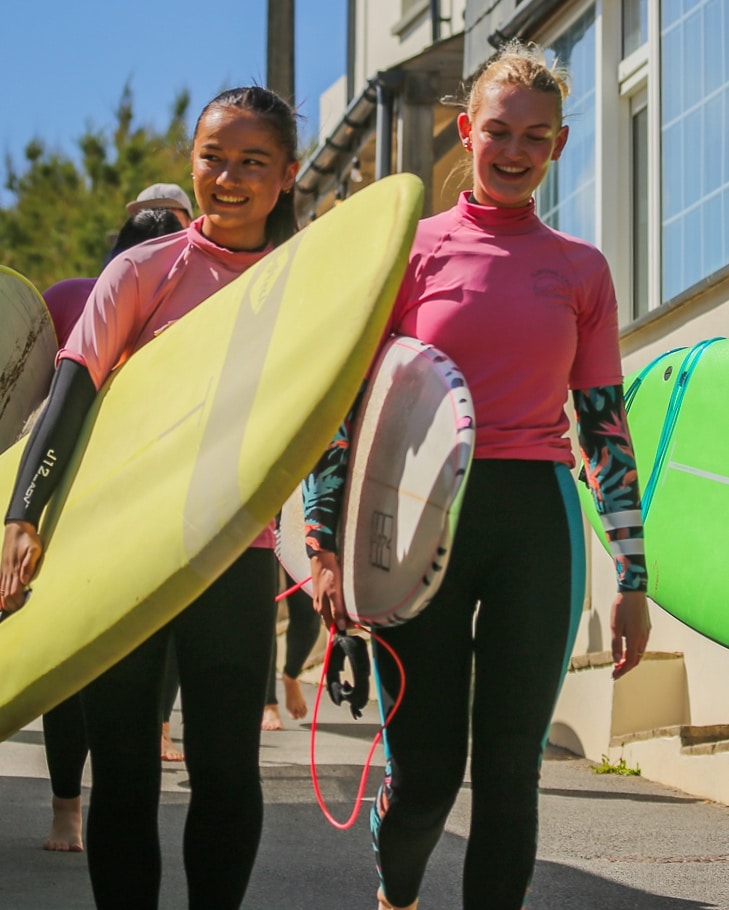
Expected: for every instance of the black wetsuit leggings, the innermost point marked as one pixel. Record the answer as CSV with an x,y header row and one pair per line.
x,y
64,734
64,737
302,633
223,643
519,552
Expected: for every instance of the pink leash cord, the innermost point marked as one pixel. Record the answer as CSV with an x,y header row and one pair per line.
x,y
343,826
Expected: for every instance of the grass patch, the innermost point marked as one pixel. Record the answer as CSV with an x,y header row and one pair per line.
x,y
618,767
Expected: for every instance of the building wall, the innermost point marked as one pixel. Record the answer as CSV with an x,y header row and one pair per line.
x,y
593,713
382,42
332,104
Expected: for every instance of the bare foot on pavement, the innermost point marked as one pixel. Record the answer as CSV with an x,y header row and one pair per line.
x,y
66,829
295,701
169,750
271,718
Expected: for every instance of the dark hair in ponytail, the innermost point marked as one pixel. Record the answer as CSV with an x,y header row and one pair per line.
x,y
144,225
281,223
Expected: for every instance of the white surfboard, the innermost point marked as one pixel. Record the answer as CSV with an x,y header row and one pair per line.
x,y
412,445
27,351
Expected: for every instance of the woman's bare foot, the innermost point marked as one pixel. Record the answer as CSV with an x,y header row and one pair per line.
x,y
271,718
66,827
169,750
295,701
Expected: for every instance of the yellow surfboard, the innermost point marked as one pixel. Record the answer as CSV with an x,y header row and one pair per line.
x,y
27,350
195,443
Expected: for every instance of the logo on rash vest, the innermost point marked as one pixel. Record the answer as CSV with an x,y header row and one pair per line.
x,y
548,283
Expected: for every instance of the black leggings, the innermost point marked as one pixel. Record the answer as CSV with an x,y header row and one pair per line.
x,y
64,734
302,633
64,737
223,643
171,684
519,552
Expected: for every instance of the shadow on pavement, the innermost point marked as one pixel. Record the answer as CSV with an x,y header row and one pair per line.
x,y
303,864
558,885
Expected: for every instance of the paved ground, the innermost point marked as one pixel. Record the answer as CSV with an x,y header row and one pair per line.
x,y
620,843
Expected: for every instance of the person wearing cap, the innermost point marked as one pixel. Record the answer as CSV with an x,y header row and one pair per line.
x,y
164,196
64,732
223,638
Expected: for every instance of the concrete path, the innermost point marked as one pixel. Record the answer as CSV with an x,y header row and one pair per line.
x,y
620,843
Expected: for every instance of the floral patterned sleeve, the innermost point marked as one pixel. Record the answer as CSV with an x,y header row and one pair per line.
x,y
323,490
611,476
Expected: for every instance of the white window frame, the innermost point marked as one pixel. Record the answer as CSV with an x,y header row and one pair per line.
x,y
655,226
418,8
634,83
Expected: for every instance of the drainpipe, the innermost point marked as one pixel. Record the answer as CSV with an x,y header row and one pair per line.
x,y
387,84
435,19
351,46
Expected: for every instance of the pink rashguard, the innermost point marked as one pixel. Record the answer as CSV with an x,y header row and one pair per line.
x,y
65,301
557,318
140,293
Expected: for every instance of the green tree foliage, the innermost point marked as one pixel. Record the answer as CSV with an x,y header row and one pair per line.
x,y
65,214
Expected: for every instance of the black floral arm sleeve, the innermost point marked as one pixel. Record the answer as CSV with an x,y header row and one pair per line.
x,y
611,476
323,489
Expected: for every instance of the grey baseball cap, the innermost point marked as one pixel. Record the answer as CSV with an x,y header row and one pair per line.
x,y
161,196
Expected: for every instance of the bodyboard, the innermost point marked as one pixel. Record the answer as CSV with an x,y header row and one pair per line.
x,y
27,351
675,406
412,445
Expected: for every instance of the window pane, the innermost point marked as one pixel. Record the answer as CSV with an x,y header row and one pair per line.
x,y
713,244
672,80
690,160
725,173
713,75
713,145
566,199
694,141
672,259
672,170
692,251
671,10
692,56
635,25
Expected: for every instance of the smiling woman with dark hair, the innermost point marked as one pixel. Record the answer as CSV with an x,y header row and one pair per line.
x,y
243,167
